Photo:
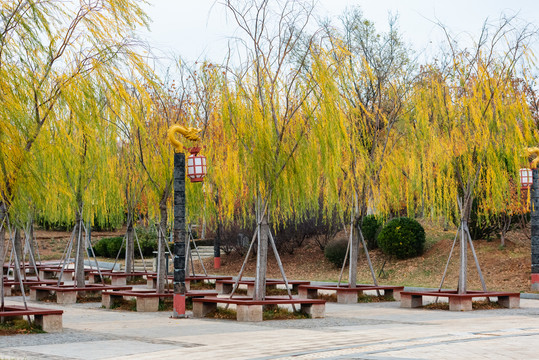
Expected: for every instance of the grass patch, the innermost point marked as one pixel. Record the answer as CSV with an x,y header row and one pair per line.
x,y
166,304
136,280
123,304
201,285
362,298
277,291
328,297
88,298
15,327
279,313
222,313
476,305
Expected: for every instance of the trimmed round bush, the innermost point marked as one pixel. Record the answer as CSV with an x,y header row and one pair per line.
x,y
402,237
113,246
100,248
370,227
335,251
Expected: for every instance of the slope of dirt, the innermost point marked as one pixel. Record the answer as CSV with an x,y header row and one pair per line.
x,y
506,269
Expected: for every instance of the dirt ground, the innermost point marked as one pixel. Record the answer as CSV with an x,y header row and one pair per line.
x,y
504,269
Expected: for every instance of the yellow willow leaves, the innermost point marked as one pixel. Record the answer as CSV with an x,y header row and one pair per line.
x,y
466,126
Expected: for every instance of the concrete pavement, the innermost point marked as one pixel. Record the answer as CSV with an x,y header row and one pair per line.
x,y
356,331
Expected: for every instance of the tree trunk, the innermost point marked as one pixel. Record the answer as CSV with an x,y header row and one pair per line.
x,y
354,253
465,216
18,252
79,250
129,246
161,268
3,215
31,245
262,260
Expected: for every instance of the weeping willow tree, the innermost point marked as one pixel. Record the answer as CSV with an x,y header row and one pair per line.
x,y
44,47
365,90
265,132
83,182
471,122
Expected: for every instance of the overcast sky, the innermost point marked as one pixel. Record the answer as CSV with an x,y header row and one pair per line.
x,y
199,29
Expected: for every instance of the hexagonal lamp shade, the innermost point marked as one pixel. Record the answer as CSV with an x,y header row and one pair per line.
x,y
196,165
526,178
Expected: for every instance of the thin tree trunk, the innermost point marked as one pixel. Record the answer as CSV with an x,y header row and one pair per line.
x,y
79,250
129,246
161,270
354,252
18,251
262,259
31,244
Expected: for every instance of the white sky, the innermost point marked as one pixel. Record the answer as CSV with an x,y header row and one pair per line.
x,y
199,29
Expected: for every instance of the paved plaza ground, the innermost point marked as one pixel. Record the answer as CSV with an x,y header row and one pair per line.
x,y
358,331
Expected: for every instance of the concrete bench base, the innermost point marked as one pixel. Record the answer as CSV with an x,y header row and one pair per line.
x,y
225,287
348,295
252,310
147,300
68,294
459,302
49,320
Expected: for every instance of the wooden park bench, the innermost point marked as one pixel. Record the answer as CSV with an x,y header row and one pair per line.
x,y
147,300
116,277
67,294
50,320
225,286
459,302
346,294
152,279
10,284
248,309
53,272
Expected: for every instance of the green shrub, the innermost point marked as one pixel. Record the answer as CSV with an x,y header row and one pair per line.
x,y
370,228
113,246
402,237
100,248
147,237
335,251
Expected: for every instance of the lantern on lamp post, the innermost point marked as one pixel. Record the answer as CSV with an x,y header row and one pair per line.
x,y
196,165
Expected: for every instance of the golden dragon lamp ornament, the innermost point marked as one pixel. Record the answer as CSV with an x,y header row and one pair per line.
x,y
533,151
189,133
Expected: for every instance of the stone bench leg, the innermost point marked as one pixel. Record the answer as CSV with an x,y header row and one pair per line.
x,y
188,285
308,293
49,323
460,303
66,297
151,283
249,312
7,290
511,302
67,276
250,290
118,280
45,274
316,311
411,301
223,288
106,301
348,297
147,304
201,309
37,295
391,293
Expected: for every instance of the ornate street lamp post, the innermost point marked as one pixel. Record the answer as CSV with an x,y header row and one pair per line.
x,y
196,170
